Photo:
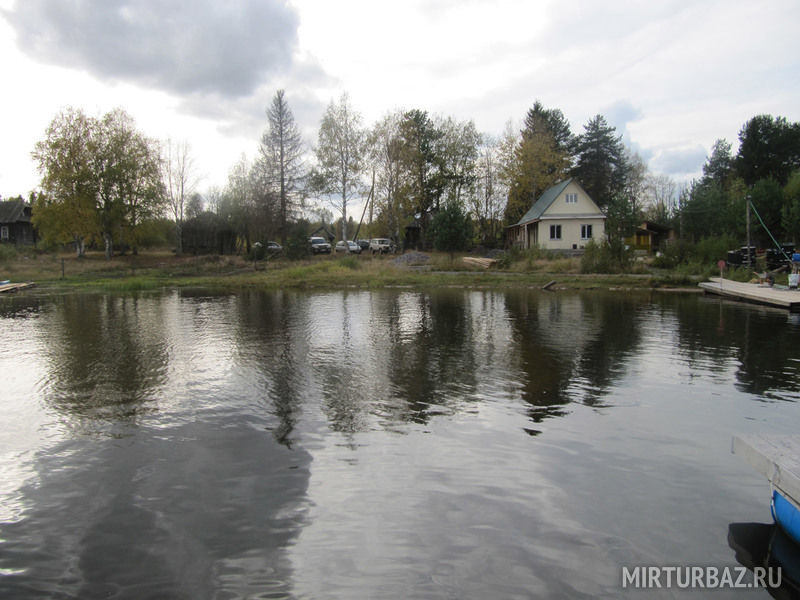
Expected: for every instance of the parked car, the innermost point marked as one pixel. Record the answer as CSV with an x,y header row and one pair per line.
x,y
319,245
348,246
273,248
381,245
363,244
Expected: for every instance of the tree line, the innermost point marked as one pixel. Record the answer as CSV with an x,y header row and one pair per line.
x,y
102,179
762,177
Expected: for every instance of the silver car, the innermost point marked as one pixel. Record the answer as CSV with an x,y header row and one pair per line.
x,y
319,245
348,246
381,245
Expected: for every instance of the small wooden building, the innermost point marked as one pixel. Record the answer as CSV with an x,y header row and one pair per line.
x,y
15,223
207,233
650,237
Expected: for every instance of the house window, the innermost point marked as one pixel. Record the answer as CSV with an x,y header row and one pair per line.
x,y
586,232
555,232
4,233
572,198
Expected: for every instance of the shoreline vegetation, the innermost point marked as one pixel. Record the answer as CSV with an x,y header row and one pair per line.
x,y
154,269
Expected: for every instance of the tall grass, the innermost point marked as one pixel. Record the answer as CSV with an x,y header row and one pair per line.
x,y
157,270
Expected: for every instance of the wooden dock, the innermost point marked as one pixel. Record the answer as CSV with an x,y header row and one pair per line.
x,y
14,287
751,292
777,457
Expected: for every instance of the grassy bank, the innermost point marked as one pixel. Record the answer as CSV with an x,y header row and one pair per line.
x,y
152,270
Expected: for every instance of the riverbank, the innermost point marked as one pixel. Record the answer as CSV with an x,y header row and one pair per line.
x,y
153,270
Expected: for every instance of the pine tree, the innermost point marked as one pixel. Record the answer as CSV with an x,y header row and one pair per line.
x,y
601,167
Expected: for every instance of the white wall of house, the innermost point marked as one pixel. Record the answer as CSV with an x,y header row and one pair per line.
x,y
574,232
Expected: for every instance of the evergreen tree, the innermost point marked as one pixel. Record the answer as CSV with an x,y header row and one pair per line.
x,y
601,167
790,214
767,198
451,229
552,121
769,148
718,168
423,161
541,158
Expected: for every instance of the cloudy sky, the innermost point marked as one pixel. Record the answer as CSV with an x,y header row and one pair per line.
x,y
672,76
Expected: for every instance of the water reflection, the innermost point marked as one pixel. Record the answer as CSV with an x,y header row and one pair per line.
x,y
193,511
108,357
194,445
378,359
273,342
571,348
761,342
765,546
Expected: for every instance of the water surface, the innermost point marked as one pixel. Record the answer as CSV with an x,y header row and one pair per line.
x,y
449,444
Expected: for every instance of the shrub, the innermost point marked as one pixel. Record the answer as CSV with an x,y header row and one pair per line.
x,y
605,257
712,249
257,252
297,242
451,229
672,255
8,252
505,259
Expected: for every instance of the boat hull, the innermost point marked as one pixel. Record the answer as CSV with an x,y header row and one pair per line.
x,y
786,514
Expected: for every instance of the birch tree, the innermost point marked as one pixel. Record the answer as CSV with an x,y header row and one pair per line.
x,y
100,174
65,212
339,153
386,156
459,148
180,183
488,201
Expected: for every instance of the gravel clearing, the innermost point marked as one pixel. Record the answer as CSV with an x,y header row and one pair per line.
x,y
412,258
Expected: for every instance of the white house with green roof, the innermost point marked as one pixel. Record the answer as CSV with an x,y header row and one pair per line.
x,y
563,218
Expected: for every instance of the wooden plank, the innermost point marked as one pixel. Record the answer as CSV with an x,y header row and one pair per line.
x,y
13,287
484,263
752,292
777,457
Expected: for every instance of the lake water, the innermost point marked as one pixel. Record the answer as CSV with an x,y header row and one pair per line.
x,y
390,444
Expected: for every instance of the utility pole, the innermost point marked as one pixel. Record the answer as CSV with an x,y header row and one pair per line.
x,y
747,213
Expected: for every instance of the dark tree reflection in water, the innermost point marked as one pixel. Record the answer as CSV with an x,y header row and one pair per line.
x,y
395,443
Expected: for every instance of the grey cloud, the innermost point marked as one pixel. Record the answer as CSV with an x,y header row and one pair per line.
x,y
226,48
681,162
620,114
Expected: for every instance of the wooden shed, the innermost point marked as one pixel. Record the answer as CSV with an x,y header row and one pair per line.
x,y
15,223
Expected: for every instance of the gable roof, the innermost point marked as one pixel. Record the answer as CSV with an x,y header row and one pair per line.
x,y
543,203
13,211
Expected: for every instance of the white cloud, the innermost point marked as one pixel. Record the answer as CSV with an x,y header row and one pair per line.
x,y
672,76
